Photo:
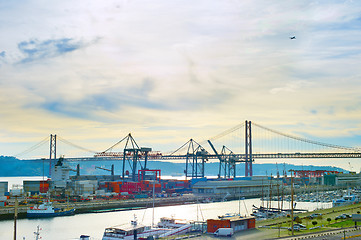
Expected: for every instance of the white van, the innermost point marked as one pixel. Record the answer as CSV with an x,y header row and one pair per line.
x,y
224,232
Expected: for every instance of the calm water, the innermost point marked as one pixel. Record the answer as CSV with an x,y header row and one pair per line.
x,y
93,224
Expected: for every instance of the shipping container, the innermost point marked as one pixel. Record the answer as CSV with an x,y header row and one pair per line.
x,y
141,196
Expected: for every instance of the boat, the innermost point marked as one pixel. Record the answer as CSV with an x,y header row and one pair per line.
x,y
229,215
166,227
133,230
166,222
46,209
345,200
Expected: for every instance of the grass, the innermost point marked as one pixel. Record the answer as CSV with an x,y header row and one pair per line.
x,y
343,224
322,223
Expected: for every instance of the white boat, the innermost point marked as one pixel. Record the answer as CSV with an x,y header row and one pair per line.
x,y
46,209
174,226
136,230
345,200
166,222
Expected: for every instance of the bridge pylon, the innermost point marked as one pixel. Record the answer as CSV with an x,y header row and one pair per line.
x,y
248,149
52,151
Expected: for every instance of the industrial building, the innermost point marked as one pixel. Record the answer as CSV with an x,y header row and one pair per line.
x,y
238,187
236,222
342,179
3,192
3,188
35,187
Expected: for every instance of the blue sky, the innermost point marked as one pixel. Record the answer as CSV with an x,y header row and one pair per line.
x,y
168,71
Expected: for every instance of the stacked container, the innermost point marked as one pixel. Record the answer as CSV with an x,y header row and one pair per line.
x,y
36,187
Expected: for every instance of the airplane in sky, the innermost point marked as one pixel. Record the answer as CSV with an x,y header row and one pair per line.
x,y
293,37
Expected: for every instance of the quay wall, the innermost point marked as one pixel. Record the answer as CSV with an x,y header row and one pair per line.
x,y
7,212
115,205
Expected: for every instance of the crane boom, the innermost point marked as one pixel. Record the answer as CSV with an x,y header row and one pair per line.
x,y
215,151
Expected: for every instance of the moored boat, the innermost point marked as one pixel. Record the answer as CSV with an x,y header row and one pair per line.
x,y
345,200
130,231
167,227
46,209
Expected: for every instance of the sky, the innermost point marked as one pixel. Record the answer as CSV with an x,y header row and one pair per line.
x,y
167,71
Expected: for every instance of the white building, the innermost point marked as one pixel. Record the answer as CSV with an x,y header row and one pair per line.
x,y
240,187
60,174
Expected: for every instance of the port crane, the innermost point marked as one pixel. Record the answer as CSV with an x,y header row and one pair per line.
x,y
111,170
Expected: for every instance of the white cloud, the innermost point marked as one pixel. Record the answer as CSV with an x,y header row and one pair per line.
x,y
161,65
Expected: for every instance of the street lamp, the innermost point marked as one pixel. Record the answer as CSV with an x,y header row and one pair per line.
x,y
17,192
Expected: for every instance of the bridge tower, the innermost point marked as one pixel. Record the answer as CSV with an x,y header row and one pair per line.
x,y
248,149
52,151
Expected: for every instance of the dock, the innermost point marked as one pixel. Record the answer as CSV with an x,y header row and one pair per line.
x,y
94,206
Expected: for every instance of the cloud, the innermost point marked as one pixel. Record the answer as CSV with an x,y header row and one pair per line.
x,y
290,87
38,50
166,69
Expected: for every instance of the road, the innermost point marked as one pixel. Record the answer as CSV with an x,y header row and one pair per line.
x,y
258,234
348,233
249,234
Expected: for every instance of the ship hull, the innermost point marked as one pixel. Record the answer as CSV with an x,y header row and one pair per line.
x,y
43,214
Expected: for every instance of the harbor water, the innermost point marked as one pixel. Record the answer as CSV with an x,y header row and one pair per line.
x,y
93,224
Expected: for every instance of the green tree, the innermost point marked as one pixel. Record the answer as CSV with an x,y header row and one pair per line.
x,y
329,220
314,223
307,221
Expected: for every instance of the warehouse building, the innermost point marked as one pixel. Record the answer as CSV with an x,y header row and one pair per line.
x,y
351,179
236,222
232,188
3,188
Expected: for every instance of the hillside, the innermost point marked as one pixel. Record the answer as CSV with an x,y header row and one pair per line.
x,y
12,166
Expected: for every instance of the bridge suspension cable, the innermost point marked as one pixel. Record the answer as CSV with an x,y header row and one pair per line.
x,y
74,145
36,146
307,140
229,131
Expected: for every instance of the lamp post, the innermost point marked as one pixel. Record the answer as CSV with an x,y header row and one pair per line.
x,y
17,192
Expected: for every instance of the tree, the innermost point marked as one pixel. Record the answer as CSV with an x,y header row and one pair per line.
x,y
314,223
298,219
329,220
307,221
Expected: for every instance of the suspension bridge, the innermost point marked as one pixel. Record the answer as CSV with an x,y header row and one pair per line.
x,y
241,144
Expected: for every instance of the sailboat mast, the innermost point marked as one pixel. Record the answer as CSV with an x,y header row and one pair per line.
x,y
153,203
262,204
